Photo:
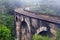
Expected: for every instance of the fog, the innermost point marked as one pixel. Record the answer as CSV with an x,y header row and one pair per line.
x,y
53,5
35,2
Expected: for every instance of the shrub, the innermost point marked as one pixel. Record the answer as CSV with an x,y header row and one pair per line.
x,y
58,35
39,37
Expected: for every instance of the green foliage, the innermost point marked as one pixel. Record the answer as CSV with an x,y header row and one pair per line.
x,y
4,33
6,9
8,21
58,35
39,37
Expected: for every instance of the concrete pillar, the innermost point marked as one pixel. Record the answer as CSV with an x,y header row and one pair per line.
x,y
17,30
30,28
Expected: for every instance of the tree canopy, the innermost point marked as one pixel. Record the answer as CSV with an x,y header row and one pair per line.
x,y
4,33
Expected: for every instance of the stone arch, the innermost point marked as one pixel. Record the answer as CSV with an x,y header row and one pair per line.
x,y
23,30
16,18
27,22
43,33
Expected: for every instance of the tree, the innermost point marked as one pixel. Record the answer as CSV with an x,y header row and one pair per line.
x,y
4,33
8,21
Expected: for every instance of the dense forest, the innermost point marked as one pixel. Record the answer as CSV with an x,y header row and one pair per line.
x,y
7,16
6,20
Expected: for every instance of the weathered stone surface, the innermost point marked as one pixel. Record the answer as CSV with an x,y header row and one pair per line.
x,y
28,23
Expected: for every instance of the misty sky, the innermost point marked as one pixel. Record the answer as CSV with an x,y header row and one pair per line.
x,y
52,4
37,1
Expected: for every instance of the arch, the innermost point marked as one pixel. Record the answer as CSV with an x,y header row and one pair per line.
x,y
43,33
16,18
23,23
23,30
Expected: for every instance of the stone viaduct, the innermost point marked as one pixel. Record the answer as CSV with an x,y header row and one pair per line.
x,y
28,23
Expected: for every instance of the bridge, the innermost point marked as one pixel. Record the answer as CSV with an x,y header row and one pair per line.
x,y
28,23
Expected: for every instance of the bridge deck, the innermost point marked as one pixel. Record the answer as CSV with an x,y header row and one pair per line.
x,y
54,19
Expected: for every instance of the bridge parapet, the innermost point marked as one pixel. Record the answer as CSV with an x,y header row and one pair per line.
x,y
50,18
